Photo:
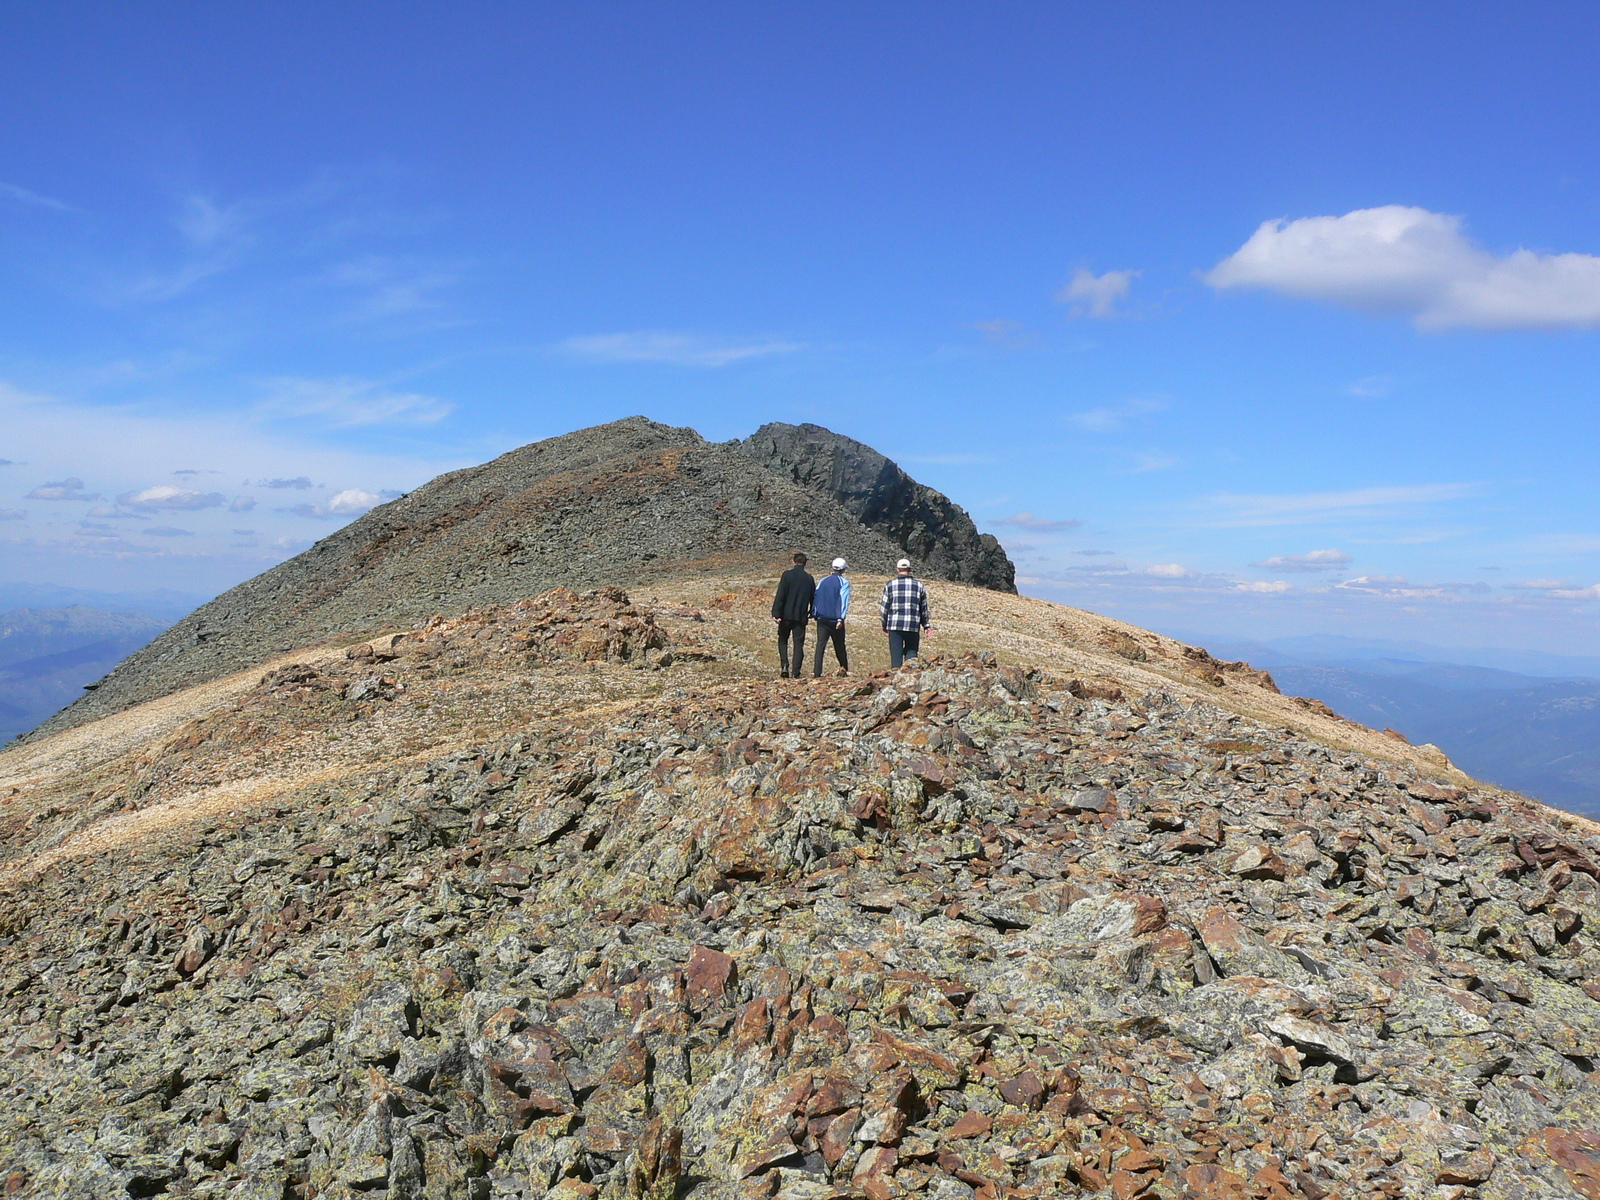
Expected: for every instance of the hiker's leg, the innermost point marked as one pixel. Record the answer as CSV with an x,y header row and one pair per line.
x,y
784,629
896,648
913,643
823,628
839,651
799,661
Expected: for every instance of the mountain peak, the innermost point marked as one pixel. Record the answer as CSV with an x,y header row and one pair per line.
x,y
626,502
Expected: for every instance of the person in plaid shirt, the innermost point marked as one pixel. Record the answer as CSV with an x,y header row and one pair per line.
x,y
903,612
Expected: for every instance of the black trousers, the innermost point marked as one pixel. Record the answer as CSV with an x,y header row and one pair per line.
x,y
903,644
829,630
787,663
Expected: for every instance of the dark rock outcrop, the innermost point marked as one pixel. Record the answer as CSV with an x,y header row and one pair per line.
x,y
933,531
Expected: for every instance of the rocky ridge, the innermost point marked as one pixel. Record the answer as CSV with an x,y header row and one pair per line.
x,y
629,502
931,527
638,922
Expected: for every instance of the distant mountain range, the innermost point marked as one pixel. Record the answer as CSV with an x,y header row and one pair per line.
x,y
47,655
1535,730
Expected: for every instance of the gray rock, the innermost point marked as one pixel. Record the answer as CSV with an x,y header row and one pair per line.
x,y
935,533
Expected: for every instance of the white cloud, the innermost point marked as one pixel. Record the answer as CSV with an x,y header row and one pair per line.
x,y
241,504
166,496
62,489
1168,571
1315,560
1412,262
1112,417
1271,588
675,348
1026,520
299,483
347,403
353,500
1310,507
1094,295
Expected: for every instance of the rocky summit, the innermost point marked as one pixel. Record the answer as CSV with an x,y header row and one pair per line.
x,y
621,503
931,527
566,896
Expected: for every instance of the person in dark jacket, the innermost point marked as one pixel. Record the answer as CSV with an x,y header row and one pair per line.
x,y
830,606
791,609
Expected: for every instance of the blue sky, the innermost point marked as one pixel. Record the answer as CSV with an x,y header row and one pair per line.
x,y
1251,319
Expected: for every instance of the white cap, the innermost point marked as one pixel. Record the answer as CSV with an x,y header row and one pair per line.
x,y
839,564
903,565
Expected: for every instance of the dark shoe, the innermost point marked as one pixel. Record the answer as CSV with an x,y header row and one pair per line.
x,y
783,675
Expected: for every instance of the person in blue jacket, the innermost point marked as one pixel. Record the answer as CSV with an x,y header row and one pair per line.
x,y
830,606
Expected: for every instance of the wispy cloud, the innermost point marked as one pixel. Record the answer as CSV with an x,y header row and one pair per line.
x,y
678,349
1264,587
1558,589
113,512
1397,587
13,514
1110,418
1168,571
1094,295
1408,261
1026,520
1371,386
299,483
347,403
1152,462
166,531
24,196
62,489
69,443
1233,509
1314,560
393,286
1012,335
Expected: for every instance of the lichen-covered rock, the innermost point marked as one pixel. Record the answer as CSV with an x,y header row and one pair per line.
x,y
953,932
